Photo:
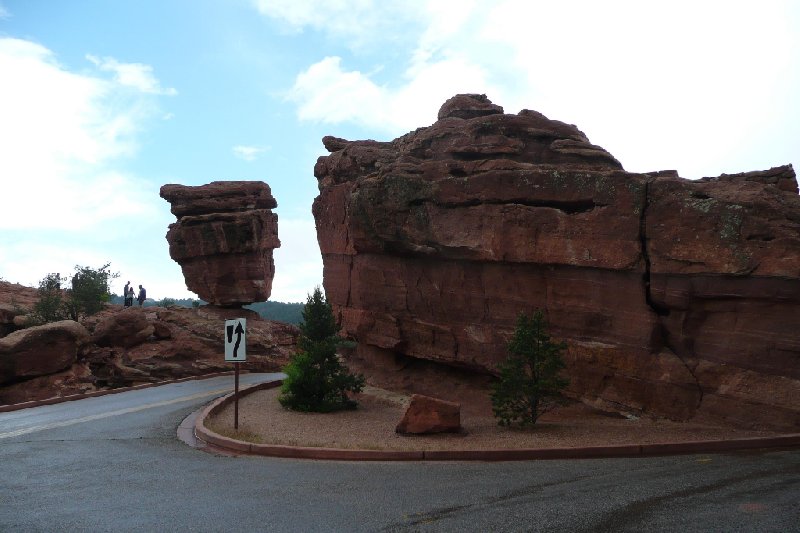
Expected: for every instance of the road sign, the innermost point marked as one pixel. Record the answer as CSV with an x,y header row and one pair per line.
x,y
235,334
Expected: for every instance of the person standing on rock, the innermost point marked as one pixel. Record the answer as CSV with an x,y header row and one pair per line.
x,y
142,295
125,295
129,297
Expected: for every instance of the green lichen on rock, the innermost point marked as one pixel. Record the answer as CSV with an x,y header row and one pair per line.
x,y
704,205
376,205
731,223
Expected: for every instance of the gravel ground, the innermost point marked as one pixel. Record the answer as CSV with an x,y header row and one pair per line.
x,y
371,426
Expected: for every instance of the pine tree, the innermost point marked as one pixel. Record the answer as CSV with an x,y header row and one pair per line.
x,y
316,380
529,383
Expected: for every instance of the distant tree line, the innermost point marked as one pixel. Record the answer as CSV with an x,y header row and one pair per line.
x,y
288,312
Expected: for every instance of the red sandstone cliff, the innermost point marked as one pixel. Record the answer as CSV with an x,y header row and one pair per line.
x,y
677,298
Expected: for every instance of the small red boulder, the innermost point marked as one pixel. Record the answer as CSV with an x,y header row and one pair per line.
x,y
430,415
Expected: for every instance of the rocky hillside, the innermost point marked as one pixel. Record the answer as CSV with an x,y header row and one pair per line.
x,y
123,346
677,298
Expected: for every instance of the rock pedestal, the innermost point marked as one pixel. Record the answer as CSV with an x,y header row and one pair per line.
x,y
677,298
223,239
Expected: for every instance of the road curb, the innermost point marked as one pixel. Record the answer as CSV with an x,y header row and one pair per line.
x,y
526,454
93,394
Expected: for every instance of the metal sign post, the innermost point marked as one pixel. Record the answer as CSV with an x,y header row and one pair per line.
x,y
235,343
236,396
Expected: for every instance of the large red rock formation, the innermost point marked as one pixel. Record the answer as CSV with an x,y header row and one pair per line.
x,y
40,350
223,239
677,298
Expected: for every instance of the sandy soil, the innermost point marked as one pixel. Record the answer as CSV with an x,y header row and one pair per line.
x,y
371,427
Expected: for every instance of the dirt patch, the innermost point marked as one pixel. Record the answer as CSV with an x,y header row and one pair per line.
x,y
371,427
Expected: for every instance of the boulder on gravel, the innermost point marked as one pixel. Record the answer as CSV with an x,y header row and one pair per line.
x,y
430,415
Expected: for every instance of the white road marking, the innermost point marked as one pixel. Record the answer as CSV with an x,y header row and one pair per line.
x,y
64,423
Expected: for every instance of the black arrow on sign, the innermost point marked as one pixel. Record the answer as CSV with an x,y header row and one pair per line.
x,y
239,333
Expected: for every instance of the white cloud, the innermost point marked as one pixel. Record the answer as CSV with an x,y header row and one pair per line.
x,y
135,75
248,153
27,263
327,93
651,84
682,85
62,135
298,262
355,23
4,13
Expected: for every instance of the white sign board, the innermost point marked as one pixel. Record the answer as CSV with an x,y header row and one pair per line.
x,y
235,333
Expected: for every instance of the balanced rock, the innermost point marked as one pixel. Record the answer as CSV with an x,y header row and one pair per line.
x,y
40,350
430,415
223,239
677,298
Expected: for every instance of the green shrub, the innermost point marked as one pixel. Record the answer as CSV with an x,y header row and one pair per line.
x,y
529,383
86,295
89,291
316,379
50,307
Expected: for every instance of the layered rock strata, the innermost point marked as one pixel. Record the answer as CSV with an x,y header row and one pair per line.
x,y
223,239
677,298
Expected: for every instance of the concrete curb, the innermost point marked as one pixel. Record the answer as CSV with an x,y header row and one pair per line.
x,y
93,394
590,452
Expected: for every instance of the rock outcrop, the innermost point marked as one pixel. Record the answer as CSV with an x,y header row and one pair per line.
x,y
16,301
126,329
127,346
40,350
677,298
223,239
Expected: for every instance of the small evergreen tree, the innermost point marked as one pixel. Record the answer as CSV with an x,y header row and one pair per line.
x,y
529,383
316,380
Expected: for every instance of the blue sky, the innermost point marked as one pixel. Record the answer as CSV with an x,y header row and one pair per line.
x,y
103,102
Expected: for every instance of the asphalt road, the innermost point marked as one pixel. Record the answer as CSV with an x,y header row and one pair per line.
x,y
114,464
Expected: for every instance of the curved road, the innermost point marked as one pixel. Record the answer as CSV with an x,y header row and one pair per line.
x,y
114,463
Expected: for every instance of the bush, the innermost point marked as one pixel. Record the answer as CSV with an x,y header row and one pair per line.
x,y
529,383
316,380
86,295
89,291
50,307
